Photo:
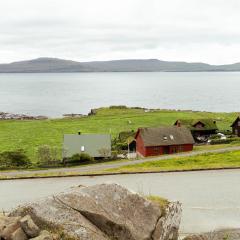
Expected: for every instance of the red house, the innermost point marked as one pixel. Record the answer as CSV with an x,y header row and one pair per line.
x,y
163,140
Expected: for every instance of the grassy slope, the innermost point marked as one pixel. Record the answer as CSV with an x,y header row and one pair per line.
x,y
30,134
204,161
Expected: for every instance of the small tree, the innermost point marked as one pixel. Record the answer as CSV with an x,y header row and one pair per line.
x,y
54,153
44,154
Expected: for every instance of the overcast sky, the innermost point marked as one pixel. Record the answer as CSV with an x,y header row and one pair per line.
x,y
84,30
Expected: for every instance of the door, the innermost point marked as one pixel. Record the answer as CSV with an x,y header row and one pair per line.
x,y
166,150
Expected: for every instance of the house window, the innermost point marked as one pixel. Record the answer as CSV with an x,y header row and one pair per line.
x,y
171,137
239,123
199,125
164,138
82,148
180,149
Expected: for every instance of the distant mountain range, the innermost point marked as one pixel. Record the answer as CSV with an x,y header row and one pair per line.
x,y
41,65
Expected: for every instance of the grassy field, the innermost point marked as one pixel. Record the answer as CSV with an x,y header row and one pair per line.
x,y
28,135
204,161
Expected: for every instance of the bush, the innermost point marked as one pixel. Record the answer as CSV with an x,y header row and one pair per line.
x,y
81,158
118,107
14,159
224,141
48,155
214,136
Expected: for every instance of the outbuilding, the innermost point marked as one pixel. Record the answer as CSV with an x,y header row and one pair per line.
x,y
163,140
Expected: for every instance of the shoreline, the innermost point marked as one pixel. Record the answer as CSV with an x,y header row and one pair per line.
x,y
28,117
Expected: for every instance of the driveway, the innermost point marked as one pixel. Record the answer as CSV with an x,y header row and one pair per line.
x,y
105,166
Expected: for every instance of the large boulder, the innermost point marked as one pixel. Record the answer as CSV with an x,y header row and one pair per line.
x,y
104,212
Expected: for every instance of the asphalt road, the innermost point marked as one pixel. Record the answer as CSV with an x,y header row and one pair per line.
x,y
210,198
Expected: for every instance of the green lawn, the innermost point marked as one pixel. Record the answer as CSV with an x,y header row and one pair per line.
x,y
204,161
28,135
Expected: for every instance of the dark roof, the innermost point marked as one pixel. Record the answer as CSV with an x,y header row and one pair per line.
x,y
237,119
209,124
165,136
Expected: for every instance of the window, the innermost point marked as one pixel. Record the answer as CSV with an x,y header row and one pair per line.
x,y
82,148
164,138
171,137
156,150
239,123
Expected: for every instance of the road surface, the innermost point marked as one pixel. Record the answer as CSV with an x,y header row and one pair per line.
x,y
211,199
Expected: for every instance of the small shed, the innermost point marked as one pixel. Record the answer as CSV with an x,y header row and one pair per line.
x,y
96,145
163,140
236,127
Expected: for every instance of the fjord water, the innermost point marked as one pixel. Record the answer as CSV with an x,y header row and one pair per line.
x,y
54,94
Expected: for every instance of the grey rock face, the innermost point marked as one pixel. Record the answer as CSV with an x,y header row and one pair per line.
x,y
168,226
17,228
29,227
104,212
8,226
19,235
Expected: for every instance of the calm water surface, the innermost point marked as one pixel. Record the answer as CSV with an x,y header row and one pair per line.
x,y
54,94
211,199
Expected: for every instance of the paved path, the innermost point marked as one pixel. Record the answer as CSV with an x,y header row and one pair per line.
x,y
104,166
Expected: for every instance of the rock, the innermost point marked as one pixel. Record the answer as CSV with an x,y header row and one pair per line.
x,y
104,212
29,227
8,226
56,216
19,235
196,237
44,235
227,234
168,226
116,211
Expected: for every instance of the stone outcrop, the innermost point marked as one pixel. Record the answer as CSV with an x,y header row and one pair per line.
x,y
11,116
168,225
228,234
103,212
21,228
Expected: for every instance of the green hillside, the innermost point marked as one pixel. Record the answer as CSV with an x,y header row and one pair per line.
x,y
28,135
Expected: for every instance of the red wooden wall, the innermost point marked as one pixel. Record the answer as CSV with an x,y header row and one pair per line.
x,y
160,150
